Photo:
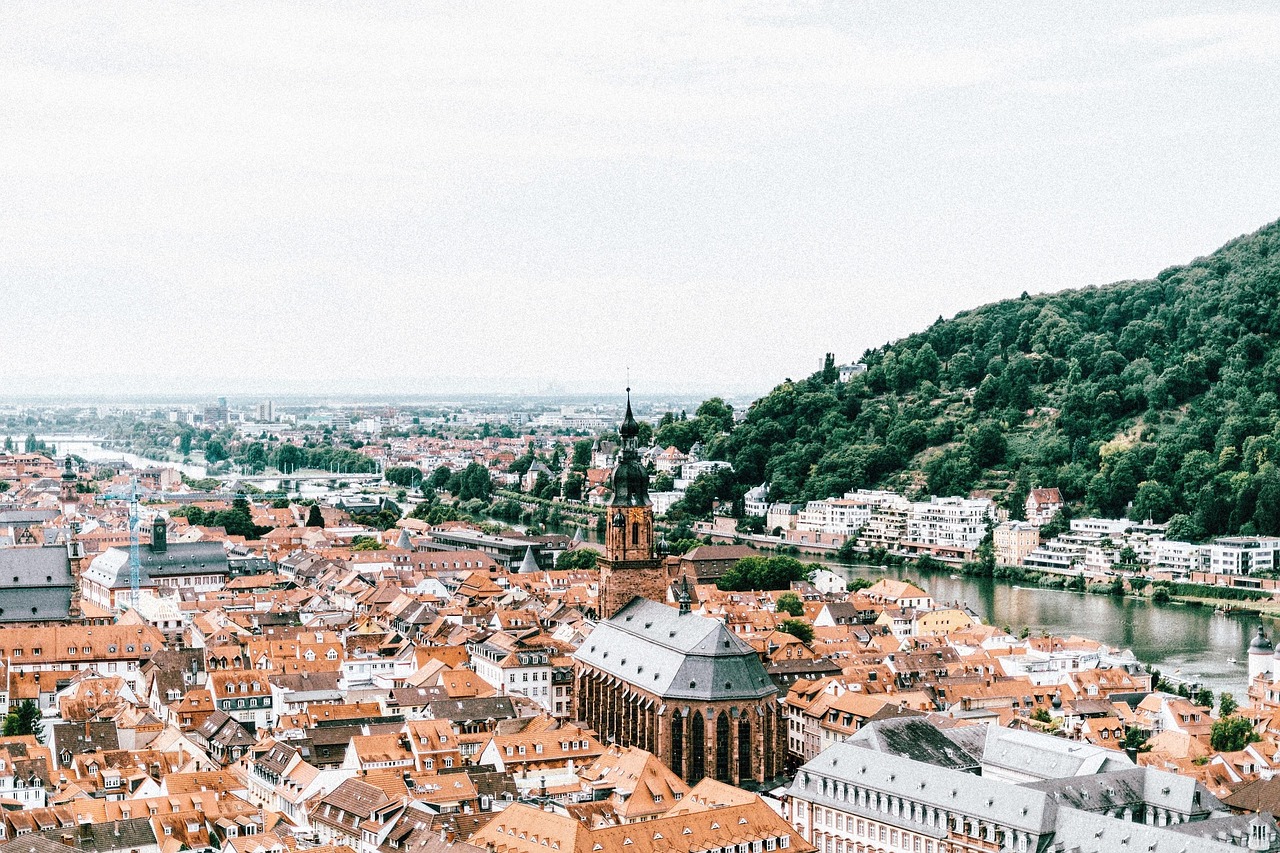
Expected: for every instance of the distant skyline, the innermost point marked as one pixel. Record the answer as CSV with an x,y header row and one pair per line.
x,y
417,198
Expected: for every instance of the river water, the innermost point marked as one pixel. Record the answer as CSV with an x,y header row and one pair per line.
x,y
91,448
1188,643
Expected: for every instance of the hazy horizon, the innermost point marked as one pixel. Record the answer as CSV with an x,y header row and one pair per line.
x,y
419,198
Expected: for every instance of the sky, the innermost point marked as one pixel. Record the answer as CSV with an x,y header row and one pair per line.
x,y
439,196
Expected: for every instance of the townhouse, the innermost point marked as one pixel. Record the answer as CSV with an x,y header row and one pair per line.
x,y
60,649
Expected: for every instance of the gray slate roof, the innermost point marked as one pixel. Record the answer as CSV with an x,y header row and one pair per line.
x,y
1055,821
111,568
1043,755
680,656
1087,832
1118,788
918,739
468,710
114,835
950,790
35,584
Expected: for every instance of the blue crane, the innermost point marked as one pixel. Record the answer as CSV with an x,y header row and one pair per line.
x,y
135,556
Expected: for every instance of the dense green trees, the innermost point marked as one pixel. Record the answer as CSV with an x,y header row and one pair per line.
x,y
1232,734
471,483
712,421
1157,399
407,476
797,628
24,718
790,604
237,521
763,573
578,559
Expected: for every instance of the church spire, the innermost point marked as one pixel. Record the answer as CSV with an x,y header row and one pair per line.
x,y
629,429
630,479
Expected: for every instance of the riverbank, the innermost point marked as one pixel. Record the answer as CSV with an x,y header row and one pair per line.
x,y
97,449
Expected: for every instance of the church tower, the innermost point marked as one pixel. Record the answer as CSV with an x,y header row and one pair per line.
x,y
631,566
67,490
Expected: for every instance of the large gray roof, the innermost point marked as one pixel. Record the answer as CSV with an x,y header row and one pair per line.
x,y
107,836
1118,788
675,655
35,584
918,739
1043,755
951,790
1056,822
111,568
1088,832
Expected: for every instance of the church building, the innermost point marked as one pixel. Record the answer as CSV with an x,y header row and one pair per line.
x,y
662,678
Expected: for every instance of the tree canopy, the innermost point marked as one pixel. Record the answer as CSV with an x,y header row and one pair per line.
x,y
24,718
579,559
797,628
790,604
1232,734
751,573
1158,399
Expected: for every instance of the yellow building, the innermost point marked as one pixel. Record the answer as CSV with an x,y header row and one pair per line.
x,y
944,620
1014,540
935,622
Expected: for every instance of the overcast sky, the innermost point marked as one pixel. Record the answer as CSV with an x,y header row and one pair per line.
x,y
440,195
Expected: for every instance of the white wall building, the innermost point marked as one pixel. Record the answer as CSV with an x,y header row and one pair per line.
x,y
951,523
1243,555
835,515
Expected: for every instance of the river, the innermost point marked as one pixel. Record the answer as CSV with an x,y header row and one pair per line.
x,y
1188,643
92,449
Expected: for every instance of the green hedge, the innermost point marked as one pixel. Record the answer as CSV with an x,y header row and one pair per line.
x,y
1226,593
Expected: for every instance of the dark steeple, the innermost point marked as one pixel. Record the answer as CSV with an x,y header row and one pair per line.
x,y
630,429
630,479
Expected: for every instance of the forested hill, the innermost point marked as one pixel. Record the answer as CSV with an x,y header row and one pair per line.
x,y
1162,394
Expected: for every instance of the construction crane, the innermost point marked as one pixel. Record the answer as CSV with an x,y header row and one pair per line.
x,y
135,555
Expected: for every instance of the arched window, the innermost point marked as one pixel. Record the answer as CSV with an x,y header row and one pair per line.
x,y
697,748
635,533
723,744
744,749
677,742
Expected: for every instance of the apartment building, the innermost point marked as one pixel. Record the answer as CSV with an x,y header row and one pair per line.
x,y
1243,555
841,516
1178,558
948,526
513,668
887,522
